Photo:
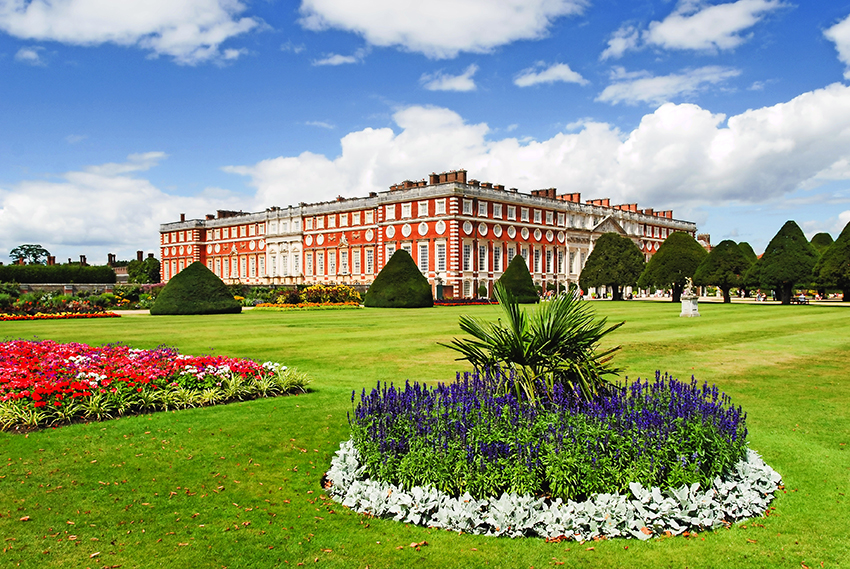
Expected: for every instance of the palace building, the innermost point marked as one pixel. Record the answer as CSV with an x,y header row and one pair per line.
x,y
462,234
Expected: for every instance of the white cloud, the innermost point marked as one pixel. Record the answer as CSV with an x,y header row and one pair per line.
x,y
714,27
337,59
321,124
642,87
97,210
839,34
625,39
693,25
439,28
539,73
75,138
31,56
680,155
441,82
291,47
190,31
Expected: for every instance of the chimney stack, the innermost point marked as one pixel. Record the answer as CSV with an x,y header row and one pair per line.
x,y
140,255
182,217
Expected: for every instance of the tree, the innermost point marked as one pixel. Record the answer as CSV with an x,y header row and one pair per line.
x,y
723,267
788,260
143,272
675,261
615,261
748,252
195,290
400,284
517,280
833,267
556,344
30,254
821,242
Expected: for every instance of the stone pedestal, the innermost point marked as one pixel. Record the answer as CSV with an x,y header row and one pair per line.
x,y
690,307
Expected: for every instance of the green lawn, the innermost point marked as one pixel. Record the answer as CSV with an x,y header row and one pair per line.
x,y
238,485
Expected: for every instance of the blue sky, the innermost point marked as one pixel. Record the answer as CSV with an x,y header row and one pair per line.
x,y
118,116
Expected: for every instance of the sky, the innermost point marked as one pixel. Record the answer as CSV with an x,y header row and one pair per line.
x,y
116,117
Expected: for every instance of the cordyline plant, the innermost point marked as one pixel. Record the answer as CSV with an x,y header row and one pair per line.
x,y
555,344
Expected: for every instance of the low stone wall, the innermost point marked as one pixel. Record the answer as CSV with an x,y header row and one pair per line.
x,y
61,288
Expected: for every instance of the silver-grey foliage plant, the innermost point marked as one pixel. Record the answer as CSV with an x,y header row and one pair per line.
x,y
746,491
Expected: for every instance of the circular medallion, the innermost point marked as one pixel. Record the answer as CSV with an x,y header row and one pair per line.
x,y
467,227
497,230
262,244
390,231
406,230
369,234
180,250
173,251
524,232
209,248
441,227
423,228
308,240
538,234
550,236
561,237
511,231
217,248
482,229
252,245
320,239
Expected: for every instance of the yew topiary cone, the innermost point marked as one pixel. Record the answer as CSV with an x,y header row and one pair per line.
x,y
400,284
517,280
195,290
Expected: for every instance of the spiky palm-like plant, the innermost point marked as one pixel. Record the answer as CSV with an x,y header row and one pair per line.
x,y
555,344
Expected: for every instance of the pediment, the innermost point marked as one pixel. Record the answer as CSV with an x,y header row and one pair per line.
x,y
609,225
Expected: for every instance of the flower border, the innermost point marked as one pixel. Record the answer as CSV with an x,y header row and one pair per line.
x,y
746,491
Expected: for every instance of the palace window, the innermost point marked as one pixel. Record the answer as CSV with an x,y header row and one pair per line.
x,y
261,265
549,218
537,260
370,217
331,262
252,230
497,258
423,257
405,210
370,261
343,220
467,257
355,218
355,261
422,208
497,210
390,251
440,207
482,257
523,214
320,263
243,267
561,220
482,209
296,264
343,262
308,259
511,254
512,213
409,248
308,225
332,220
467,207
441,257
537,216
549,268
389,212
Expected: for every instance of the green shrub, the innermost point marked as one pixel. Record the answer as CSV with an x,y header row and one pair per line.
x,y
195,290
12,289
400,285
6,301
517,280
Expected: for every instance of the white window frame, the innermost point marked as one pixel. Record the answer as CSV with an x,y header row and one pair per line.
x,y
467,256
331,261
343,220
370,261
369,217
511,213
423,258
538,216
389,212
355,262
497,258
422,208
523,214
440,207
343,262
482,257
440,254
355,218
406,211
482,209
550,218
497,211
331,220
467,207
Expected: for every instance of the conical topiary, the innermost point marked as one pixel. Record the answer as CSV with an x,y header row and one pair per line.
x,y
195,290
400,284
517,280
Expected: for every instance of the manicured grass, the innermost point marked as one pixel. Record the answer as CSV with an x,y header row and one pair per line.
x,y
238,485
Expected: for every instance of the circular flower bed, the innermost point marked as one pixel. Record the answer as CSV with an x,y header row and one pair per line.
x,y
44,383
476,439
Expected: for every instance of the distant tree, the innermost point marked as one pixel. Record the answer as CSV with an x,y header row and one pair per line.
x,y
723,267
143,272
821,242
615,261
517,280
788,260
833,267
748,252
675,261
30,254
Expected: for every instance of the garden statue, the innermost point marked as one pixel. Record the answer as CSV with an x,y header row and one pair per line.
x,y
690,299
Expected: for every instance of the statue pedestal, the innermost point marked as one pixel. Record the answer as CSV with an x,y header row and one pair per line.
x,y
690,307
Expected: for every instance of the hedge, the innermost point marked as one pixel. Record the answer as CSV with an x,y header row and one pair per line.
x,y
56,274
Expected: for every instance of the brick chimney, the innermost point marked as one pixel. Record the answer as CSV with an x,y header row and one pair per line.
x,y
140,255
182,217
